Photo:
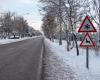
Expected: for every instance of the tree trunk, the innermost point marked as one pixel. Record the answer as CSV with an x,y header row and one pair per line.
x,y
67,40
60,31
76,44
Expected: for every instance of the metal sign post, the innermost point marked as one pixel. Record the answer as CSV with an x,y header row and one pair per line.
x,y
87,57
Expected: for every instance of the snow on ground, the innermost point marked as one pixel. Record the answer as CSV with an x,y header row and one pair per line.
x,y
54,66
63,65
5,41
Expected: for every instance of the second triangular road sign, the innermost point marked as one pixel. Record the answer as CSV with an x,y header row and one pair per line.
x,y
87,41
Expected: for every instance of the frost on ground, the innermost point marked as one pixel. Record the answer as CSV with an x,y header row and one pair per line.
x,y
54,66
62,65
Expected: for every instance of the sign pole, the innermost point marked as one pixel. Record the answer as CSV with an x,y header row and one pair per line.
x,y
87,57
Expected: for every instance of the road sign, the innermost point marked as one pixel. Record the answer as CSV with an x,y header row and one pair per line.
x,y
87,26
87,41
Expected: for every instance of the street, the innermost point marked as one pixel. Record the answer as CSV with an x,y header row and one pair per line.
x,y
21,60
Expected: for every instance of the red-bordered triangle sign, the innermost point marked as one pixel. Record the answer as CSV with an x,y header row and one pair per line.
x,y
87,41
87,26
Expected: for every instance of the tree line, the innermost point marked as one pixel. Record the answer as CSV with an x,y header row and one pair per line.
x,y
63,16
12,24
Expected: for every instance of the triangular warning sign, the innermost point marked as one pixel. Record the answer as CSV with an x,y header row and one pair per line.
x,y
87,26
87,41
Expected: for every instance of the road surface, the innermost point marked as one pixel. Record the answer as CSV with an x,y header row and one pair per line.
x,y
21,60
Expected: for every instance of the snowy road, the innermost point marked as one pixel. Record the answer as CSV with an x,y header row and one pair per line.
x,y
21,60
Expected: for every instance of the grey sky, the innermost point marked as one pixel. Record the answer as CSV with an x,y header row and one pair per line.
x,y
28,8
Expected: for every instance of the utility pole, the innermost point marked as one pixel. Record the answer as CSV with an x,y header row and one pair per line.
x,y
60,31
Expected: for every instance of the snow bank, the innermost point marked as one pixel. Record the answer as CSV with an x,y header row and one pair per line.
x,y
5,41
63,64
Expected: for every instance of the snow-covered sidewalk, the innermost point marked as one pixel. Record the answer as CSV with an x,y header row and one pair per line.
x,y
54,66
62,65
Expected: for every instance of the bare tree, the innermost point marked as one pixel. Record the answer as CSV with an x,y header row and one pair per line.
x,y
55,7
11,24
6,22
96,16
21,26
49,25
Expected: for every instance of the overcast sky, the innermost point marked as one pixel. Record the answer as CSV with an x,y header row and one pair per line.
x,y
28,8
